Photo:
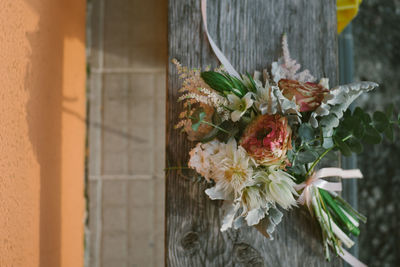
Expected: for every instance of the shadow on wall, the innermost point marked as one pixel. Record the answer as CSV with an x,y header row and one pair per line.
x,y
50,91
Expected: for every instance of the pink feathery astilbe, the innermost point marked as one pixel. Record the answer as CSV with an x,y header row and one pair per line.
x,y
286,67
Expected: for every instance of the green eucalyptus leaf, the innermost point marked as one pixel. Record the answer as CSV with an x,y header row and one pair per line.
x,y
389,133
349,122
380,120
398,119
344,148
358,112
306,156
347,113
290,155
389,111
342,131
298,169
366,118
372,136
359,130
306,132
361,115
355,145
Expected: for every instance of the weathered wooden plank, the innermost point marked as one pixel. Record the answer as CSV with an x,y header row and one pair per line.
x,y
249,33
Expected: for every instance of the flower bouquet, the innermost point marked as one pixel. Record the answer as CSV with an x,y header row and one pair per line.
x,y
261,137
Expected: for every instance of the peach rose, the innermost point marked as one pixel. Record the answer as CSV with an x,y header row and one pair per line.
x,y
308,95
267,139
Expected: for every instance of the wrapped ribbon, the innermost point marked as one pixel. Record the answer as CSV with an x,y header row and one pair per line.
x,y
315,180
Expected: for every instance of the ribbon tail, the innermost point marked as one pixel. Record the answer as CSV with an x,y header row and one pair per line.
x,y
350,259
221,57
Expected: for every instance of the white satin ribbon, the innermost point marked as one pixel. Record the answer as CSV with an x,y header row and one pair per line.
x,y
317,181
221,57
350,259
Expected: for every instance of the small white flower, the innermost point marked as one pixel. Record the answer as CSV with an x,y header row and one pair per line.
x,y
278,186
232,169
200,157
239,105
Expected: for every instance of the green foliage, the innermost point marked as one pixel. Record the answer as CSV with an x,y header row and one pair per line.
x,y
342,145
358,127
372,136
252,85
307,156
225,83
306,132
197,119
380,121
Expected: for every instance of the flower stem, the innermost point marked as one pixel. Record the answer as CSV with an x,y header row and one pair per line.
x,y
324,154
215,126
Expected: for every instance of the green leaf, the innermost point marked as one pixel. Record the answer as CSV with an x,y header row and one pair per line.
x,y
361,115
298,169
198,117
306,132
216,81
307,156
398,119
389,133
372,136
196,126
359,130
347,113
366,118
202,115
358,112
344,148
389,111
237,92
342,131
355,145
381,122
253,86
349,122
238,84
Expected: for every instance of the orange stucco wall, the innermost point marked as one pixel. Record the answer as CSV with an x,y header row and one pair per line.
x,y
42,132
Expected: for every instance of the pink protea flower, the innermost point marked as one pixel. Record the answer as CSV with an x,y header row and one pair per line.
x,y
267,139
307,95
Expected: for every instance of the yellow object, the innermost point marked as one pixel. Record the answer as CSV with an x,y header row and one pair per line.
x,y
346,11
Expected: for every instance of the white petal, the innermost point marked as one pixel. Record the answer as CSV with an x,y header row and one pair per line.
x,y
215,193
234,100
229,215
255,216
235,116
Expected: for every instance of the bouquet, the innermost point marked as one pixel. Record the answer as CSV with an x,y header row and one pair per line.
x,y
261,137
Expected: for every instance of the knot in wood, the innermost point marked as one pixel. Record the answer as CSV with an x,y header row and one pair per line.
x,y
190,242
247,255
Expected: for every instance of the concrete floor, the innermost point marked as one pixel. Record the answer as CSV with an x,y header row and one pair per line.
x,y
127,41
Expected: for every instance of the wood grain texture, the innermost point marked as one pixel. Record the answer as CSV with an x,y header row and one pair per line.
x,y
249,33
